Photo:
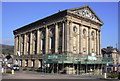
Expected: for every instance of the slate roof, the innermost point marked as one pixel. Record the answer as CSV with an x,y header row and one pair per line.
x,y
109,50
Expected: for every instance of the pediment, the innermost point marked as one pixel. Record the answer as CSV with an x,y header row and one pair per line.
x,y
86,12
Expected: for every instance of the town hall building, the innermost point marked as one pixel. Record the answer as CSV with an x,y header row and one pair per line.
x,y
66,42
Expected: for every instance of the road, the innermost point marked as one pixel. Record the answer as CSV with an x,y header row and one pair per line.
x,y
36,75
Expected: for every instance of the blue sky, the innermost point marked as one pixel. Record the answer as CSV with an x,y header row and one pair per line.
x,y
18,14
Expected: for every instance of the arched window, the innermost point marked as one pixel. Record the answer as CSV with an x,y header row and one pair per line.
x,y
84,33
75,29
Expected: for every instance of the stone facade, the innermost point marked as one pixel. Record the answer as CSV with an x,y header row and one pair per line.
x,y
72,32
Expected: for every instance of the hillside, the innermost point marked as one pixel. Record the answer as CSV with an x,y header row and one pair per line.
x,y
7,49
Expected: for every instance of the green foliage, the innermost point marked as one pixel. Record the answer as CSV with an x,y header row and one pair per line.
x,y
7,49
119,76
24,69
8,71
113,75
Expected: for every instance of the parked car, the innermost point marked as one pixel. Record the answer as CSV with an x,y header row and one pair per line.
x,y
15,67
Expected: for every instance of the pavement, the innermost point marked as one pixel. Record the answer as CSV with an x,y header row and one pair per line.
x,y
39,75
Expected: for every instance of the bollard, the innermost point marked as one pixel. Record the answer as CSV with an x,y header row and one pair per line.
x,y
105,76
12,71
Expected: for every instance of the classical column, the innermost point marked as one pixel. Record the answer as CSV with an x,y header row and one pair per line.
x,y
63,35
46,40
15,48
19,44
56,37
67,36
70,37
97,42
34,38
25,44
80,34
87,38
38,41
31,43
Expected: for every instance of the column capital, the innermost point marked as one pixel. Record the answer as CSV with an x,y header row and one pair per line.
x,y
55,23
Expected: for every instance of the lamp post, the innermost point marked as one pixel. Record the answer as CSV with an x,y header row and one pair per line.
x,y
86,64
107,68
105,74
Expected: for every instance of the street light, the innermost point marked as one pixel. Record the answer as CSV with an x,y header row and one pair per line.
x,y
107,68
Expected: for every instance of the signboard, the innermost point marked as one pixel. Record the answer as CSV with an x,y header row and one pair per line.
x,y
52,57
92,58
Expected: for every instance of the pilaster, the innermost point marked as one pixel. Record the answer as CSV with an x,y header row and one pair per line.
x,y
81,39
100,43
89,41
97,43
70,36
67,36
